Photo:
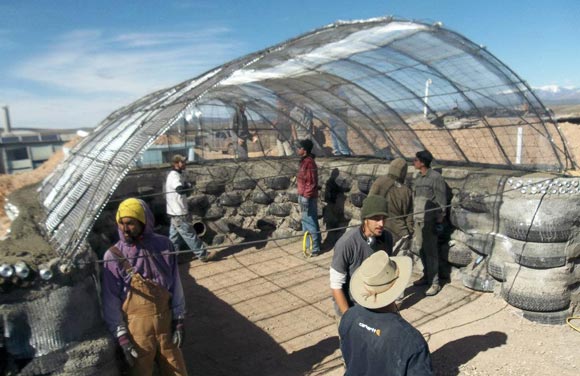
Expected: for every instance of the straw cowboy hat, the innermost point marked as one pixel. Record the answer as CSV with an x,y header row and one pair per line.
x,y
380,280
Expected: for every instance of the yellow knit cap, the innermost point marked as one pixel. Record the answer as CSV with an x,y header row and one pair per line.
x,y
131,207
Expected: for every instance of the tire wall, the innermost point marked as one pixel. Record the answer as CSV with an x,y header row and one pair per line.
x,y
526,230
508,217
233,198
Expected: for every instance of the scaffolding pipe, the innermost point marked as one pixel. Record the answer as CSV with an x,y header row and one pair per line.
x,y
519,145
427,83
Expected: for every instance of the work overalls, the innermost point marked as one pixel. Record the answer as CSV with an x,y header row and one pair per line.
x,y
148,315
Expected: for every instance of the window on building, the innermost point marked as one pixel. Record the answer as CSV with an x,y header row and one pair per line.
x,y
17,154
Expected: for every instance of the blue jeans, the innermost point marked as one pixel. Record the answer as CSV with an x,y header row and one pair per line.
x,y
309,211
181,231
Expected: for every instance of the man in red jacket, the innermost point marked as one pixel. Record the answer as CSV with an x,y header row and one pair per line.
x,y
308,193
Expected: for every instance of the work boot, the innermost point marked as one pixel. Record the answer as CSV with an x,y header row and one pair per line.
x,y
433,290
208,256
420,282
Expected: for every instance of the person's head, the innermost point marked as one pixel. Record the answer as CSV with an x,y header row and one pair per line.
x,y
131,219
179,162
423,159
380,280
305,147
373,215
398,170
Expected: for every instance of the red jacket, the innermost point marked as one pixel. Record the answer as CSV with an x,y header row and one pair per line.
x,y
308,177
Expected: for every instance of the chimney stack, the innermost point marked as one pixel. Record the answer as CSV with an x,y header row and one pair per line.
x,y
7,125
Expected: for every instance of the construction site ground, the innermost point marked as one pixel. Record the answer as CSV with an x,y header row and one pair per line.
x,y
265,309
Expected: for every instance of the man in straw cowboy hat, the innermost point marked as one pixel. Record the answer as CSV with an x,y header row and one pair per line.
x,y
374,338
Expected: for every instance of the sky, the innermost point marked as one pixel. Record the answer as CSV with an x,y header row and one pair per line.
x,y
70,63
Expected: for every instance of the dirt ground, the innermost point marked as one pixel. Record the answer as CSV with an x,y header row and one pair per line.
x,y
267,311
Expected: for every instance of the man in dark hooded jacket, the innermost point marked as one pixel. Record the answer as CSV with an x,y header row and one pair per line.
x,y
399,199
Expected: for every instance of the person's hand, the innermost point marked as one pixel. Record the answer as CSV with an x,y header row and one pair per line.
x,y
178,332
240,141
129,349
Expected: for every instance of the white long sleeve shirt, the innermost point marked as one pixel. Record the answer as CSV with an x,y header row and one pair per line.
x,y
176,203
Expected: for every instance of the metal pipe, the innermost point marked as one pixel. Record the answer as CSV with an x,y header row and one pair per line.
x,y
7,125
426,98
199,228
519,145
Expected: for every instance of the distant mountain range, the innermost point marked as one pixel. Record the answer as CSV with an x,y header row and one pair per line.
x,y
553,94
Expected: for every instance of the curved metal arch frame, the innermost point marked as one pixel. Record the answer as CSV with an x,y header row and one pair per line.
x,y
152,107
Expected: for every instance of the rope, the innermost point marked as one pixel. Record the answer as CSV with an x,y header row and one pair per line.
x,y
568,321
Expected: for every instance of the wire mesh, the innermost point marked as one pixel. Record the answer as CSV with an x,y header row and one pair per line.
x,y
381,87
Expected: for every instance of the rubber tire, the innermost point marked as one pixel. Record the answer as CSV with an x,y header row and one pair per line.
x,y
547,318
466,220
198,205
278,183
280,209
482,243
263,197
543,234
538,290
231,199
248,209
538,255
357,199
496,263
214,212
244,184
459,253
292,196
364,183
476,277
214,188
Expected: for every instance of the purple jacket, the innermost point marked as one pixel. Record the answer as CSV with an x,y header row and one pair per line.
x,y
162,270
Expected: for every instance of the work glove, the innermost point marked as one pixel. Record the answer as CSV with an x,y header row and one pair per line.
x,y
178,332
129,349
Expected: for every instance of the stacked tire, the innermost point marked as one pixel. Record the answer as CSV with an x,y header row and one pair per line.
x,y
529,242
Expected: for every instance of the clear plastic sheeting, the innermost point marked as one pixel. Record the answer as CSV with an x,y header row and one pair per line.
x,y
380,87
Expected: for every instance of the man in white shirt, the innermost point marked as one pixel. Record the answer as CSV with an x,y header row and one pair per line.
x,y
181,229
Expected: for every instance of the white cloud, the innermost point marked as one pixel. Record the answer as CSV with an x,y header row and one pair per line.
x,y
100,73
33,111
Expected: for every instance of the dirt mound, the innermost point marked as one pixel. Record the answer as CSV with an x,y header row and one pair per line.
x,y
11,183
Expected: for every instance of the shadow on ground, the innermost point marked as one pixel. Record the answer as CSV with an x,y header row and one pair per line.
x,y
448,359
220,341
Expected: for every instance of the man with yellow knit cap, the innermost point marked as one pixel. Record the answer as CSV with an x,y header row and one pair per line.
x,y
143,301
